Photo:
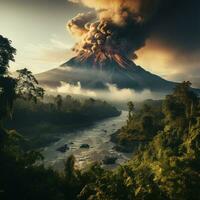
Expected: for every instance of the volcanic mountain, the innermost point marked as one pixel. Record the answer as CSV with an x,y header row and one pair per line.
x,y
97,70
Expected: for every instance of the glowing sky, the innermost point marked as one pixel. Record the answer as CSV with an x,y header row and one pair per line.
x,y
38,31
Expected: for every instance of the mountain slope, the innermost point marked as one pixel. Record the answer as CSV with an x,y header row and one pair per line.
x,y
95,71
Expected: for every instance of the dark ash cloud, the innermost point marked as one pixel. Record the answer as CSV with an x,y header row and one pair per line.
x,y
125,25
177,25
121,26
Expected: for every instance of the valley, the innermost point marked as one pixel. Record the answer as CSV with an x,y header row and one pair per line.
x,y
97,137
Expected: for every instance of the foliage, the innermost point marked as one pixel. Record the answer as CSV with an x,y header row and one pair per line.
x,y
20,179
24,86
142,125
7,53
48,120
27,86
167,168
7,83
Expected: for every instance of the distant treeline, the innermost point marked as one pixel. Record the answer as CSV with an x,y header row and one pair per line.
x,y
42,122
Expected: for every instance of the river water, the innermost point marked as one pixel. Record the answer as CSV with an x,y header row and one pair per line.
x,y
96,136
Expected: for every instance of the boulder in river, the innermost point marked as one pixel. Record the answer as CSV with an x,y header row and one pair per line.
x,y
109,160
85,146
63,148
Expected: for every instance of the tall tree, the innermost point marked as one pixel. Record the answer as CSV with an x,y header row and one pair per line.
x,y
58,101
27,86
131,109
24,86
7,83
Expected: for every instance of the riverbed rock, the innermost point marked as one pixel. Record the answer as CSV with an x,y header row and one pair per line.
x,y
63,148
85,146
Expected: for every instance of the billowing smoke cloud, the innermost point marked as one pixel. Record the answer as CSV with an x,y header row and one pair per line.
x,y
77,24
124,25
173,48
119,26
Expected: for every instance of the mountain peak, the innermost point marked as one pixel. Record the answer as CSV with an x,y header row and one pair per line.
x,y
101,60
94,70
117,70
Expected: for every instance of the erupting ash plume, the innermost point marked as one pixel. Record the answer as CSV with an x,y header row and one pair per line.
x,y
115,27
111,33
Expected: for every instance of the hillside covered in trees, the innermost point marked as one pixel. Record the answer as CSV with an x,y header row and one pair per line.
x,y
167,166
142,124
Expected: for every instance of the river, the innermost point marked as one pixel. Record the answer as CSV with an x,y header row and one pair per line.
x,y
96,136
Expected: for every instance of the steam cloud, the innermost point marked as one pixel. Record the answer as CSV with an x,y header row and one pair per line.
x,y
119,25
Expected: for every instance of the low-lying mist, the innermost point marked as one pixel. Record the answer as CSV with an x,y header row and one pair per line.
x,y
110,94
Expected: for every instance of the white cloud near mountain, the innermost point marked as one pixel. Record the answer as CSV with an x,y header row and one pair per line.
x,y
111,94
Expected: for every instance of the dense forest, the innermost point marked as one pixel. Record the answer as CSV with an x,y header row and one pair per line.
x,y
166,166
143,123
53,116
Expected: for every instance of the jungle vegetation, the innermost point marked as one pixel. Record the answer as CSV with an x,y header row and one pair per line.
x,y
54,116
167,167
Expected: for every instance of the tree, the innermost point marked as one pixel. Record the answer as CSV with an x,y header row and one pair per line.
x,y
7,53
71,177
181,106
131,109
12,88
70,174
58,101
148,125
7,83
27,86
24,86
20,179
146,109
187,96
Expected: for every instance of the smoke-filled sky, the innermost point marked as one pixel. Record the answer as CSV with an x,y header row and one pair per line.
x,y
164,34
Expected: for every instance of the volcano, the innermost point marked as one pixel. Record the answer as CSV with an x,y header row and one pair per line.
x,y
97,70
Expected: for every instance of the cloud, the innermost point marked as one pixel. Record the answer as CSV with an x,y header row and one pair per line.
x,y
169,63
119,10
163,34
67,88
174,23
124,95
112,94
120,26
77,24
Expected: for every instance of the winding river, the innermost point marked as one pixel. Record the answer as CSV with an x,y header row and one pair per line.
x,y
96,136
